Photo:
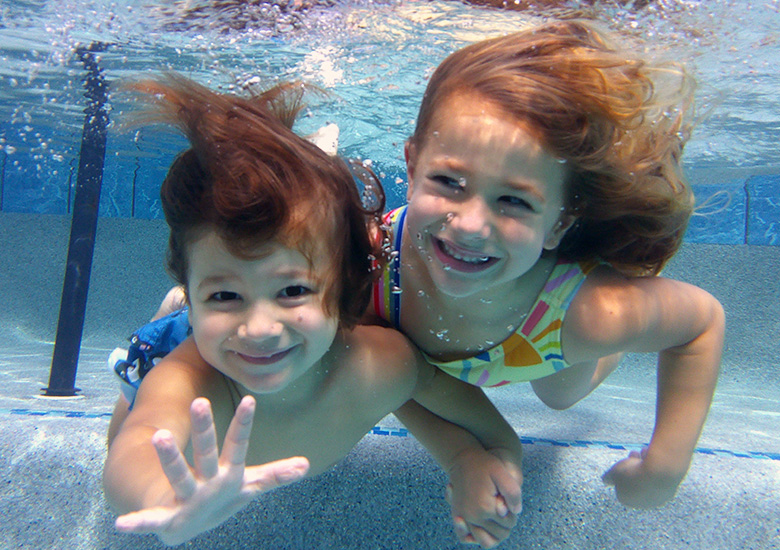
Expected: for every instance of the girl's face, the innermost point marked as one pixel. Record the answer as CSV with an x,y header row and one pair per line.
x,y
259,321
485,198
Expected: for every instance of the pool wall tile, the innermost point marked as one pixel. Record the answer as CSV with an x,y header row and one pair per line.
x,y
116,195
395,185
147,181
29,186
149,154
763,210
738,211
720,214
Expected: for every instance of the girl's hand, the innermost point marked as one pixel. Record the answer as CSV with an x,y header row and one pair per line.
x,y
485,493
637,485
218,486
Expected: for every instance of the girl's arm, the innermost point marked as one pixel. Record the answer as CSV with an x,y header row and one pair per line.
x,y
685,325
443,415
479,450
468,407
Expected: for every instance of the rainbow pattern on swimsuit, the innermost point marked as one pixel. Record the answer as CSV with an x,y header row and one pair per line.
x,y
532,352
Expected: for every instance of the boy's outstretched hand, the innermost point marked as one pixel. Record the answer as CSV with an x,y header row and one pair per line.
x,y
218,486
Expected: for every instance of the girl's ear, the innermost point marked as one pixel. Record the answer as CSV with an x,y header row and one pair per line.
x,y
410,156
553,238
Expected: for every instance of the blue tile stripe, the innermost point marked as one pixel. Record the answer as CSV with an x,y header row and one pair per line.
x,y
396,432
743,211
403,432
55,413
595,444
738,211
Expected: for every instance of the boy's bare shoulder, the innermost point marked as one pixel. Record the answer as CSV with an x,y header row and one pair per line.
x,y
382,359
182,367
173,383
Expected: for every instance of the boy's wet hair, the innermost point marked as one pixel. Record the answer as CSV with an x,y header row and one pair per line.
x,y
248,177
619,123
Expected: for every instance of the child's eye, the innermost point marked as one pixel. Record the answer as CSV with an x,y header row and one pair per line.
x,y
295,291
224,296
448,181
516,202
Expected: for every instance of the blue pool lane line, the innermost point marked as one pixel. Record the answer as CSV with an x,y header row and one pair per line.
x,y
403,432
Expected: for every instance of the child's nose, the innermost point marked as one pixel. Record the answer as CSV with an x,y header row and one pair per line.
x,y
260,323
473,219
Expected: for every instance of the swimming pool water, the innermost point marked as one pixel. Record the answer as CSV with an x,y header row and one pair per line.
x,y
373,59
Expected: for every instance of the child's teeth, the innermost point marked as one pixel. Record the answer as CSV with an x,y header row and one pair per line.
x,y
470,259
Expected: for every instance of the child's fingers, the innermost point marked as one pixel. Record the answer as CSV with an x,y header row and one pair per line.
x,y
151,520
485,539
236,442
621,469
502,525
510,490
503,521
487,534
205,453
274,474
462,531
174,465
502,510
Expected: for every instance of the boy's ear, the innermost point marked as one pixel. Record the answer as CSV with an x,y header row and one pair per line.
x,y
554,237
410,156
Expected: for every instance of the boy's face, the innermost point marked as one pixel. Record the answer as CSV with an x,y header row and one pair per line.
x,y
485,198
259,321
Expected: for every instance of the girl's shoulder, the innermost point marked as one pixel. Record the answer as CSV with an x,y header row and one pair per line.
x,y
615,312
603,292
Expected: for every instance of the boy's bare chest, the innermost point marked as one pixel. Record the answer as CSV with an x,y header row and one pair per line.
x,y
323,435
324,429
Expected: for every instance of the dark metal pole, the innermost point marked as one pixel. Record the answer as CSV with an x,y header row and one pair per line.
x,y
73,305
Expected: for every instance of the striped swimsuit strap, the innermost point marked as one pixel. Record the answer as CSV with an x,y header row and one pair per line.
x,y
387,290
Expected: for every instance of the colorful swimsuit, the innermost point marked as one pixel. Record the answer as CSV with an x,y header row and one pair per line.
x,y
532,352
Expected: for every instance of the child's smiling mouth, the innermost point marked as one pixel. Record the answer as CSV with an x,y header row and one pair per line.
x,y
264,359
461,259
